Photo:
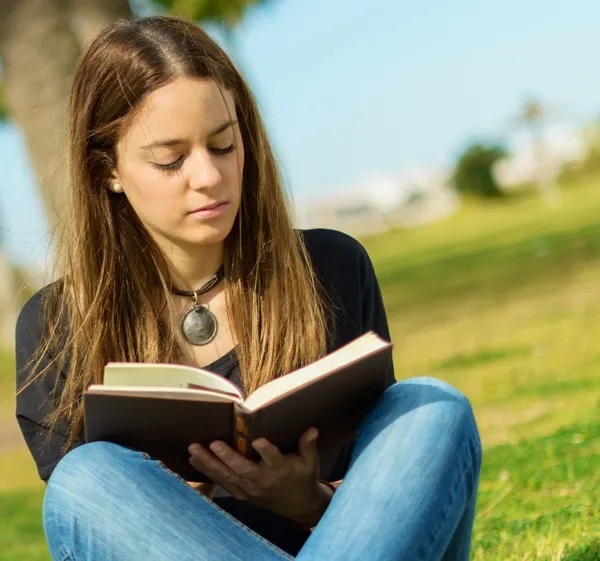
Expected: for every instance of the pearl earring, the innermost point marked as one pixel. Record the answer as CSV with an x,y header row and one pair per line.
x,y
117,188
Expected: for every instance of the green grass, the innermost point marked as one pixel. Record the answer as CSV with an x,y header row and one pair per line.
x,y
503,302
7,382
22,537
537,497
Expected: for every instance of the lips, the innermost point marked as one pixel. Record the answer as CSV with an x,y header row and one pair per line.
x,y
208,207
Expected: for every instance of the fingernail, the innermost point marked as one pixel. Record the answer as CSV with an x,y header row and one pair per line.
x,y
194,449
217,447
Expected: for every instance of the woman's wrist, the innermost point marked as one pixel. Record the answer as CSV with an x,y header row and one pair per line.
x,y
310,518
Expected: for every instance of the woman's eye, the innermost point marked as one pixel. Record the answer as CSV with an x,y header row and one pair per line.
x,y
171,166
174,166
220,151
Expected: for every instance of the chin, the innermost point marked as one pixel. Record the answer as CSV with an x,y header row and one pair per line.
x,y
208,234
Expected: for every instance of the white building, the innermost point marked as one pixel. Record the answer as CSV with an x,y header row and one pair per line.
x,y
379,202
535,162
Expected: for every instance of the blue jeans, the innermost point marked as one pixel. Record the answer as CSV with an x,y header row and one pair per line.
x,y
409,494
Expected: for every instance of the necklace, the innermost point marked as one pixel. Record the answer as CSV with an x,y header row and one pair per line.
x,y
199,325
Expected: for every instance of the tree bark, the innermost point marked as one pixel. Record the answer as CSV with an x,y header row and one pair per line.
x,y
39,45
38,51
89,17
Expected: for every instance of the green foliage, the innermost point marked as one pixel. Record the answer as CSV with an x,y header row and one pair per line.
x,y
473,174
227,14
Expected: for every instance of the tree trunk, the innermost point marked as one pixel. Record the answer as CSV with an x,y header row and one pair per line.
x,y
39,45
38,51
91,16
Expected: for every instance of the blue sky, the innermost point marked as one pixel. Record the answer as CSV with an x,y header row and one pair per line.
x,y
348,88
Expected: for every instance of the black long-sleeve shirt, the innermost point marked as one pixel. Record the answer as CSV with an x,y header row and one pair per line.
x,y
345,270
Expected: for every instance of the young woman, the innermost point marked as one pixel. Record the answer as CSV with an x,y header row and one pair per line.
x,y
178,247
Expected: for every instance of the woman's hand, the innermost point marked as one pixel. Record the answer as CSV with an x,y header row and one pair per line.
x,y
284,483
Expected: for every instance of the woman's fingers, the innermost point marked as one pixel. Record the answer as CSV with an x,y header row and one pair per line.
x,y
238,464
226,467
308,447
205,462
269,453
246,479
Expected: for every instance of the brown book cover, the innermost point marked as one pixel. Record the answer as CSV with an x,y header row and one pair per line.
x,y
333,394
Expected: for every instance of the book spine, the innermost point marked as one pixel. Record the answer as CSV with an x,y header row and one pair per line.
x,y
242,434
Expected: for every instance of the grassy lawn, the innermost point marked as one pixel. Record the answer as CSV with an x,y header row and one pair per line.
x,y
7,382
503,302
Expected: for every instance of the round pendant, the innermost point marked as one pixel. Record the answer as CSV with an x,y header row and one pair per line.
x,y
199,326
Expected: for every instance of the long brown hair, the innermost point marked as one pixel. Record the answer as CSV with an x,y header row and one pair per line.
x,y
114,282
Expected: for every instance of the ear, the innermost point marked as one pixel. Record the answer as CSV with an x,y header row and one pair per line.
x,y
114,183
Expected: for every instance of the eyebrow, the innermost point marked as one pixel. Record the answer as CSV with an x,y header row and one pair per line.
x,y
177,141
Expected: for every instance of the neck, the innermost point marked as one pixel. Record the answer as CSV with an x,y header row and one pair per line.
x,y
193,268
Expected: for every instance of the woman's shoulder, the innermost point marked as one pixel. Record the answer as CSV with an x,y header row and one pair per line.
x,y
332,244
30,321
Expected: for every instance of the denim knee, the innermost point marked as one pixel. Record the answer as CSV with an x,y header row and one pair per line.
x,y
426,388
81,474
451,411
87,459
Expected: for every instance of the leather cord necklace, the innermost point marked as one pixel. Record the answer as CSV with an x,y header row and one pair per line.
x,y
199,325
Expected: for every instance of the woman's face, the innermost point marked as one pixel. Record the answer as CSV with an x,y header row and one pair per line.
x,y
181,155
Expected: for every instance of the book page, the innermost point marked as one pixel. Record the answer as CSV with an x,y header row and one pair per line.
x,y
165,393
360,347
141,374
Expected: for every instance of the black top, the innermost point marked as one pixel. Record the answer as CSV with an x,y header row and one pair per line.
x,y
345,270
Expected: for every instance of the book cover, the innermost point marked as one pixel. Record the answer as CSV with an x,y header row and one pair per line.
x,y
333,394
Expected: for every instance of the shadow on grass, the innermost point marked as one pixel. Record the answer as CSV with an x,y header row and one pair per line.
x,y
482,356
587,552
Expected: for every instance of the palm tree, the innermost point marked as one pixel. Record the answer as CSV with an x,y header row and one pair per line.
x,y
533,116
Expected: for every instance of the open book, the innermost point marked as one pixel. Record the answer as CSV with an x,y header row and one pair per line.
x,y
162,408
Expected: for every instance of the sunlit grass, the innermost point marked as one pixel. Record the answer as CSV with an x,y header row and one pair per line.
x,y
7,383
17,471
539,498
502,301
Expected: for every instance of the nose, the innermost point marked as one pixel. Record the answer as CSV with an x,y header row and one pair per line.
x,y
204,172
